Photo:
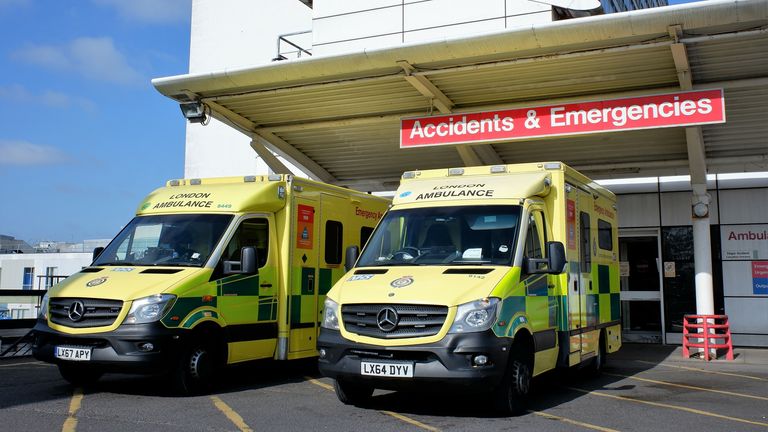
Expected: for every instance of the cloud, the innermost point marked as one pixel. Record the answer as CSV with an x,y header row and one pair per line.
x,y
16,93
25,153
151,11
95,58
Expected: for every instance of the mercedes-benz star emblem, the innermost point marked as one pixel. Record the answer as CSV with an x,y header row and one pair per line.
x,y
76,311
387,319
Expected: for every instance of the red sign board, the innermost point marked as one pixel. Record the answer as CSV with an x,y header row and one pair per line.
x,y
305,225
645,112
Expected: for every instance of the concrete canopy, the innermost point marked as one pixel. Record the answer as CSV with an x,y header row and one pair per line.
x,y
338,116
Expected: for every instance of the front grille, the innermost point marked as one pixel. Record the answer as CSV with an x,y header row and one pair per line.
x,y
96,312
413,320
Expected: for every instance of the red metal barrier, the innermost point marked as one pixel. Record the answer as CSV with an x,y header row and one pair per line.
x,y
704,331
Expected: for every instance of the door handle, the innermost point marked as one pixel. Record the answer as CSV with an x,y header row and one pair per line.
x,y
266,285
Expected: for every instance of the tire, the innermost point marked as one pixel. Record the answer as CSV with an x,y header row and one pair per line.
x,y
597,364
352,394
79,375
510,398
197,367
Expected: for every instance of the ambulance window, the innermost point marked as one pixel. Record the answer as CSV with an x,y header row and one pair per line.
x,y
252,232
333,242
604,235
586,246
365,234
533,240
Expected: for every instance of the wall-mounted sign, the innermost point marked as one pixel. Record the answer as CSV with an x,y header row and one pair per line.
x,y
744,242
645,112
760,277
669,269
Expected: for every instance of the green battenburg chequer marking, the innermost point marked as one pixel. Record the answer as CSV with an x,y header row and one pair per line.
x,y
197,316
239,285
603,279
509,307
325,281
615,305
563,310
267,308
183,306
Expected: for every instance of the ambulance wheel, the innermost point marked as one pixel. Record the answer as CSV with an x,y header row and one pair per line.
x,y
510,397
197,367
352,394
79,375
597,364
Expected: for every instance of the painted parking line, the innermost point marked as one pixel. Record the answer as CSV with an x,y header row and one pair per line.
x,y
70,424
231,414
690,387
32,363
398,416
573,422
669,406
704,370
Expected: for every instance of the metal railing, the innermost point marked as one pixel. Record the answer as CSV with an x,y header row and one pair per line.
x,y
289,45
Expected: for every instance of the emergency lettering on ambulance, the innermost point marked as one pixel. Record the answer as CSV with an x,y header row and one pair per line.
x,y
210,272
481,278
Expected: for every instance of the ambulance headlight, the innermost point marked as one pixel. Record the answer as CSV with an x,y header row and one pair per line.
x,y
43,315
149,309
475,316
330,315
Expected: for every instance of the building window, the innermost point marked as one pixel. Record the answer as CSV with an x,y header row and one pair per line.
x,y
333,242
604,235
50,276
29,277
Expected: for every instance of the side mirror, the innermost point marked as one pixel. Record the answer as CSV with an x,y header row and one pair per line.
x,y
247,264
97,251
553,264
350,257
556,257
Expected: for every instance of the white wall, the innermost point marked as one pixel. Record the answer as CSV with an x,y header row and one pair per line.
x,y
342,26
227,35
12,265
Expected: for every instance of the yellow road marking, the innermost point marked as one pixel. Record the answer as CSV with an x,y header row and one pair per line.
x,y
675,407
689,387
233,416
390,413
573,422
318,383
704,370
411,421
26,364
70,424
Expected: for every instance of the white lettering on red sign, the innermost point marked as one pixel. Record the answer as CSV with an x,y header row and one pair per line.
x,y
667,110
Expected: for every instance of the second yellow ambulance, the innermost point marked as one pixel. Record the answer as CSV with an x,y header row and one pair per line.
x,y
479,277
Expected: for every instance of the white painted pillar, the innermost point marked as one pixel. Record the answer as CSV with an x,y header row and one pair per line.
x,y
702,250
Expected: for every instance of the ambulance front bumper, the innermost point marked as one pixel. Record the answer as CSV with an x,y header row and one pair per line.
x,y
448,362
123,350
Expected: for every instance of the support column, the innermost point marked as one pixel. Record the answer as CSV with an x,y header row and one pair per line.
x,y
702,251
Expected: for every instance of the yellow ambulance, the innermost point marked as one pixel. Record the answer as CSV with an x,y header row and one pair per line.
x,y
210,272
479,277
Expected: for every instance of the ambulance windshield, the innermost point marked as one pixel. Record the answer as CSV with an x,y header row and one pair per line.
x,y
455,235
185,240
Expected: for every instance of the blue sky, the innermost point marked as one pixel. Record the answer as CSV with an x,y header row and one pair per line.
x,y
84,135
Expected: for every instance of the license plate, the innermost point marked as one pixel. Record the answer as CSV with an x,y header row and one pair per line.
x,y
399,370
73,353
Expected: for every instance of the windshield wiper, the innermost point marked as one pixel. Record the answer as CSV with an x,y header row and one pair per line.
x,y
125,263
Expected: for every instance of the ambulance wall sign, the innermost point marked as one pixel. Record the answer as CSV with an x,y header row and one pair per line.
x,y
645,112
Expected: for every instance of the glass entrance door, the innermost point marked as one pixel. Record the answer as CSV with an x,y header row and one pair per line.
x,y
641,299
